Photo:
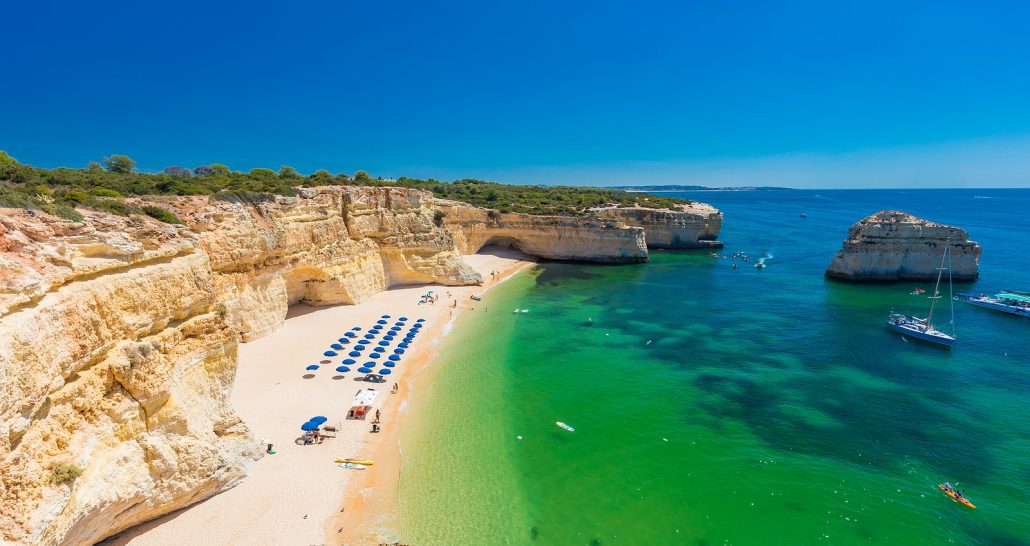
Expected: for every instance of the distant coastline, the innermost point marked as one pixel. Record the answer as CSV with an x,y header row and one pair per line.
x,y
676,188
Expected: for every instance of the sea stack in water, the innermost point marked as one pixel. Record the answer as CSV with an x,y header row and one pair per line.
x,y
897,246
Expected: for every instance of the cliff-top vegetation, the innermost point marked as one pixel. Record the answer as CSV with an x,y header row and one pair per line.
x,y
105,186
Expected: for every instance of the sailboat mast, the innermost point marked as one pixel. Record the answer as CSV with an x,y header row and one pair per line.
x,y
951,294
937,288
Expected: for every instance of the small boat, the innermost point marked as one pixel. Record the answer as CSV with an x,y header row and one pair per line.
x,y
804,215
352,466
760,265
476,298
365,462
917,292
955,494
923,328
1006,302
564,426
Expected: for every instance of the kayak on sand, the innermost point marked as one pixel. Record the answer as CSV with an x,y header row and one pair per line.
x,y
355,461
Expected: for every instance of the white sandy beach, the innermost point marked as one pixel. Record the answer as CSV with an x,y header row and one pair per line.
x,y
291,495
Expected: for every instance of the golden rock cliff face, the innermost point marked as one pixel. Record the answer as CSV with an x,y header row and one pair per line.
x,y
550,237
696,225
328,246
897,246
113,358
118,336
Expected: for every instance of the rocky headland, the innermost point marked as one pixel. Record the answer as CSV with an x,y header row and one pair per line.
x,y
118,335
897,246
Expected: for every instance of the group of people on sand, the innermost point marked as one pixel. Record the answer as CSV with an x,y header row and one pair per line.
x,y
428,297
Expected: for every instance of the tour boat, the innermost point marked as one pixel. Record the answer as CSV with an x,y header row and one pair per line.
x,y
1006,302
923,328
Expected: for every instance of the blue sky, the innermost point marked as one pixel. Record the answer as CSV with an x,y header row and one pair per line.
x,y
803,94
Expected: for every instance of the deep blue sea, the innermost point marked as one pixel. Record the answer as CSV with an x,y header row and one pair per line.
x,y
722,406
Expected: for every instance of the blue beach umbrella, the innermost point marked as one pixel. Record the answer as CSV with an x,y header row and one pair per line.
x,y
386,316
365,370
370,336
408,339
385,371
402,319
395,329
384,343
309,426
374,355
344,340
336,346
380,349
342,369
359,348
394,358
403,345
356,328
353,353
399,351
318,419
364,342
421,320
389,364
312,367
329,353
349,361
417,325
388,338
375,329
381,321
351,334
368,364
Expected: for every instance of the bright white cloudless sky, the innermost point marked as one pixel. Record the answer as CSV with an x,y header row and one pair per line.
x,y
794,93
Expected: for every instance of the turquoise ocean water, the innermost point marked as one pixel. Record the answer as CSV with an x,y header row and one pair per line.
x,y
720,406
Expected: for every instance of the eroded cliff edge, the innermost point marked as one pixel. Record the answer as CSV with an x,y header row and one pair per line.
x,y
897,246
118,336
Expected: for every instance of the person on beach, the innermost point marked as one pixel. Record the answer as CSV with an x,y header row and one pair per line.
x,y
378,415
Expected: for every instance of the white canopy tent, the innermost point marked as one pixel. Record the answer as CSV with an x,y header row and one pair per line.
x,y
363,401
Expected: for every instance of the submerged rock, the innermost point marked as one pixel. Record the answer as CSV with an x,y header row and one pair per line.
x,y
897,246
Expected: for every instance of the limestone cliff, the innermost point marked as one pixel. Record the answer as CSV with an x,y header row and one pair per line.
x,y
118,336
696,225
587,239
114,358
328,246
897,246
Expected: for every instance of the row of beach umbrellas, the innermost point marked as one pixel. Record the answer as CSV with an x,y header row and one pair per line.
x,y
379,350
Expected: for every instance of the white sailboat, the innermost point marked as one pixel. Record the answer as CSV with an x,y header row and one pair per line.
x,y
923,328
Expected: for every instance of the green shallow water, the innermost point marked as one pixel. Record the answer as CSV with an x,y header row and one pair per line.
x,y
716,406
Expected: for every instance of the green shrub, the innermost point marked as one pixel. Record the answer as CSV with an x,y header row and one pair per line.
x,y
64,472
161,214
114,206
76,196
105,192
61,210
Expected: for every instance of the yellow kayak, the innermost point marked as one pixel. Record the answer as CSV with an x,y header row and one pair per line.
x,y
355,461
955,495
